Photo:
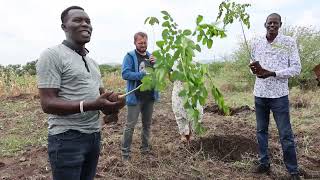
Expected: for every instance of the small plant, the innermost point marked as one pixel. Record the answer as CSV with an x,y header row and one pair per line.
x,y
178,47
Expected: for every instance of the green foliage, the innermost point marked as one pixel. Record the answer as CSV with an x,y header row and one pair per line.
x,y
240,67
233,11
8,76
216,67
20,70
106,69
308,40
30,67
178,47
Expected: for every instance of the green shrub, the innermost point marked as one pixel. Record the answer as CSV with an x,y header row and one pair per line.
x,y
308,40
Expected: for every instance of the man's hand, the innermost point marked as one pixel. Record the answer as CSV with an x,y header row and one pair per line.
x,y
113,97
105,104
257,69
117,103
265,74
121,102
152,59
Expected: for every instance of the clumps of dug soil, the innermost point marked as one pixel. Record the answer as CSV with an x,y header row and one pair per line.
x,y
227,148
213,108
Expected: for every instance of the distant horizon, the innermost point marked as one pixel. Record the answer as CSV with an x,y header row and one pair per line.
x,y
203,61
114,27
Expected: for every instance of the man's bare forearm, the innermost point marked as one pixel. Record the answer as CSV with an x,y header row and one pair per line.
x,y
64,107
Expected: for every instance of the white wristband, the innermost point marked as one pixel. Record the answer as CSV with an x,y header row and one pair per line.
x,y
81,107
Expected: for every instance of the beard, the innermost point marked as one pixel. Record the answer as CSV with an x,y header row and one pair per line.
x,y
141,50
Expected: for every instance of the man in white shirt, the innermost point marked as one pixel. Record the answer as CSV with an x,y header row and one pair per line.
x,y
275,58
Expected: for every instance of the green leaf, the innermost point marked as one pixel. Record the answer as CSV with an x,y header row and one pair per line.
x,y
165,13
199,129
145,21
182,93
199,37
202,100
153,20
161,74
222,34
156,54
176,75
186,103
165,34
160,44
187,32
199,19
198,48
209,43
204,41
219,99
166,24
176,54
146,83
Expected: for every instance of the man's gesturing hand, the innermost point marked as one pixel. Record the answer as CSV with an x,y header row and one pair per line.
x,y
111,103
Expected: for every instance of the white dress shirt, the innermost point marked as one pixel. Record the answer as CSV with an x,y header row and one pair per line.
x,y
280,56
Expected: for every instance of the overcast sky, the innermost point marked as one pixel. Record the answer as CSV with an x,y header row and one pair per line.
x,y
30,26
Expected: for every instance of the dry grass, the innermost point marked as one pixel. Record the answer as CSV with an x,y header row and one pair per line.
x,y
301,99
113,81
226,151
12,85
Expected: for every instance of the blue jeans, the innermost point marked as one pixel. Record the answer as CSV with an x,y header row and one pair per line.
x,y
280,109
74,155
146,109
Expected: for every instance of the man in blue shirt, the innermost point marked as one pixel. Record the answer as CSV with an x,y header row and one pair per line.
x,y
133,70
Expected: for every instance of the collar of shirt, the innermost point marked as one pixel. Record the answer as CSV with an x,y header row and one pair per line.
x,y
276,39
81,52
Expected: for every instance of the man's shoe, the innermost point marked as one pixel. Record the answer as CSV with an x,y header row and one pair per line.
x,y
295,177
261,168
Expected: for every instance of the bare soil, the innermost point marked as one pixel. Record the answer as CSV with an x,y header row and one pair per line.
x,y
228,150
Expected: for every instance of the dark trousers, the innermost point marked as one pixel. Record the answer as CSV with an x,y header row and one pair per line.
x,y
74,155
280,109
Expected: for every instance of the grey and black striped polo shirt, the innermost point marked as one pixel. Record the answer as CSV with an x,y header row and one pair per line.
x,y
62,68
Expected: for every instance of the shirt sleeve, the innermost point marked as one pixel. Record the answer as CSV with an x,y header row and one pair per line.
x,y
294,64
48,70
128,72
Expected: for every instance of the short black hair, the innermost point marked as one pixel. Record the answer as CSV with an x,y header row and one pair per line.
x,y
274,14
65,12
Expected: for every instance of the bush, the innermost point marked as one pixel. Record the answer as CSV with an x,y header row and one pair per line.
x,y
106,69
308,40
216,67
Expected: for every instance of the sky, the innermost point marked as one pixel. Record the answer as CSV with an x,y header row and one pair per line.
x,y
31,26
